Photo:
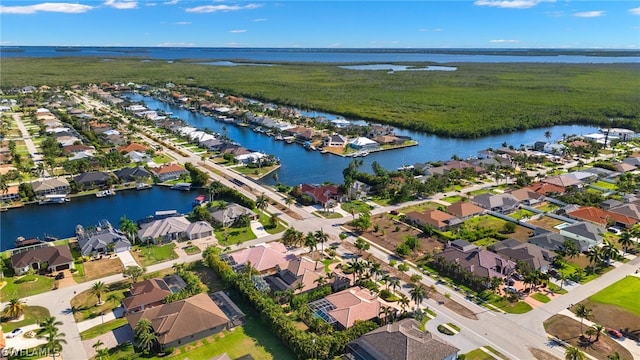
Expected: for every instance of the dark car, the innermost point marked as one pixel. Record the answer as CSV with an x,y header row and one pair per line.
x,y
60,276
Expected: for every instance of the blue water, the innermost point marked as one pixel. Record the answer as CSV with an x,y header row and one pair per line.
x,y
315,55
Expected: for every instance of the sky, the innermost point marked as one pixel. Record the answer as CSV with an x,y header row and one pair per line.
x,y
323,24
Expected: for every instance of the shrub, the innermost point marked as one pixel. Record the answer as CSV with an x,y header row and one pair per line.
x,y
416,277
342,236
393,263
444,330
403,267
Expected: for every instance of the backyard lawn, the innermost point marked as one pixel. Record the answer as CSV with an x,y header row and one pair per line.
x,y
32,315
605,185
153,254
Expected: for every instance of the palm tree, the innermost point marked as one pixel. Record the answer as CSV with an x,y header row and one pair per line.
x,y
609,251
583,312
128,227
142,326
311,241
289,200
15,308
573,353
214,188
262,202
322,237
49,331
594,255
614,356
404,302
98,289
418,294
144,335
547,135
292,237
625,241
596,329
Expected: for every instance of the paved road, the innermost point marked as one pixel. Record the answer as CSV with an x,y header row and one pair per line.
x,y
509,334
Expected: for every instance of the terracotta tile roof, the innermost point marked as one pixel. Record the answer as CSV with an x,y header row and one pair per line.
x,y
321,194
181,319
546,188
168,169
264,256
353,304
464,209
602,217
526,194
133,147
435,218
146,293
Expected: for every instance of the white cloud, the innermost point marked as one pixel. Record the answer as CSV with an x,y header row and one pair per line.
x,y
635,11
504,41
182,23
46,7
589,14
172,2
122,5
237,31
259,20
511,4
221,8
150,4
176,44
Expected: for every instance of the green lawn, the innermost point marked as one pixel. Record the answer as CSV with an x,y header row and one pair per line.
x,y
485,221
21,290
541,297
605,185
32,315
478,354
548,207
453,199
327,214
479,192
519,307
85,305
192,249
265,220
357,206
149,255
624,293
421,207
162,159
232,235
102,328
521,214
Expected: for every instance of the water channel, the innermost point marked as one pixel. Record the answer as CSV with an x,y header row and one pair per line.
x,y
298,166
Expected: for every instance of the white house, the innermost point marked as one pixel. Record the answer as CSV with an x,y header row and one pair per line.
x,y
363,143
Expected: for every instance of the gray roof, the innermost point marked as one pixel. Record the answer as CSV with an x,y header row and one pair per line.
x,y
491,201
133,173
97,240
534,255
587,230
402,340
230,213
548,240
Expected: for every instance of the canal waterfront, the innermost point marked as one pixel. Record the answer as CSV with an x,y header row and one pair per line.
x,y
298,166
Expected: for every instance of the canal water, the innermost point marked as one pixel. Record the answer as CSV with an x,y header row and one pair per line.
x,y
298,166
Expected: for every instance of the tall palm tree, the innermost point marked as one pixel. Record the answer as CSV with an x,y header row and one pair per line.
x,y
312,242
583,312
573,353
404,302
597,330
143,325
262,202
418,293
49,331
594,255
15,308
289,200
214,188
98,289
322,237
625,241
129,228
145,336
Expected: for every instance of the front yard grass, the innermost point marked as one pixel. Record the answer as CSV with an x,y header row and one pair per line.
x,y
153,254
16,289
605,185
357,206
521,214
265,220
232,235
327,214
518,307
429,205
478,354
191,249
96,269
84,305
103,328
162,159
32,315
624,293
453,199
541,297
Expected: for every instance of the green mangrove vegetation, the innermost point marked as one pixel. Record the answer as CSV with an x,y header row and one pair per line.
x,y
475,100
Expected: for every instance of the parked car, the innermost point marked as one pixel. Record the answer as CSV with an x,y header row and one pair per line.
x,y
60,276
517,276
614,333
14,333
511,289
614,230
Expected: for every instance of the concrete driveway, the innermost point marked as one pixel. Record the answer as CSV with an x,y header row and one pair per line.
x,y
127,259
111,339
23,342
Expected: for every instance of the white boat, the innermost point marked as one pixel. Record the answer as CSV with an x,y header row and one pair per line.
x,y
143,186
53,199
406,168
105,193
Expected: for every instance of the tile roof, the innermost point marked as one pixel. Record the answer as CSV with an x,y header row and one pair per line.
x,y
264,256
403,340
602,217
181,319
146,292
320,194
545,188
353,304
54,255
435,218
168,169
479,261
464,209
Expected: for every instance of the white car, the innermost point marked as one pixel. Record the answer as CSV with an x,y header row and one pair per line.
x,y
14,333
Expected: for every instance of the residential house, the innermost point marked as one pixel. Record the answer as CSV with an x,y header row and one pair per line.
x,y
133,173
79,148
632,160
536,257
552,241
11,194
301,133
138,157
101,239
618,133
602,217
434,218
585,234
363,143
344,308
146,294
324,195
389,140
610,203
380,130
630,210
584,177
481,262
46,258
212,144
602,173
263,257
230,214
527,196
335,140
299,275
547,188
358,190
563,181
624,167
174,228
132,147
57,185
502,203
92,179
184,321
464,210
401,340
169,172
